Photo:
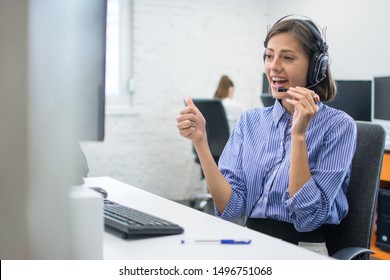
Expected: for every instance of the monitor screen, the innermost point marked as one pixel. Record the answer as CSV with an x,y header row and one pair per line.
x,y
67,40
265,86
266,97
382,98
91,33
354,98
86,47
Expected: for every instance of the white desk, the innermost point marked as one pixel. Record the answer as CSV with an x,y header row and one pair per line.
x,y
197,225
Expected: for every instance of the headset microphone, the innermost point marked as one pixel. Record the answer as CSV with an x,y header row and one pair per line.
x,y
283,89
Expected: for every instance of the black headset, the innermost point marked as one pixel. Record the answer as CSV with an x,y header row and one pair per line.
x,y
320,59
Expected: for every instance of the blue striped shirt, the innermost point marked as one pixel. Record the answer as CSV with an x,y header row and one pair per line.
x,y
256,163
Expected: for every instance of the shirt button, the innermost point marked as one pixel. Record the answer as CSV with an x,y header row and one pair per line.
x,y
281,143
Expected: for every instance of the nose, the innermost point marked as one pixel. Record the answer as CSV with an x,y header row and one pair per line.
x,y
276,64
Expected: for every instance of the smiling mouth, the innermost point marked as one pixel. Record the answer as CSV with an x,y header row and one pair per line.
x,y
278,82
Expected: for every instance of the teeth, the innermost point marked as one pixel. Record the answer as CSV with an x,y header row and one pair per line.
x,y
278,79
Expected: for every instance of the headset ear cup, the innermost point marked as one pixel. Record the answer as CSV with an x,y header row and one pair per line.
x,y
317,68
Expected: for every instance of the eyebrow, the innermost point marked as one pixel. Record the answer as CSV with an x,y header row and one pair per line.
x,y
282,51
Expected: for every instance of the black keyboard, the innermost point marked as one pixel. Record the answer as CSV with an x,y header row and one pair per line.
x,y
130,221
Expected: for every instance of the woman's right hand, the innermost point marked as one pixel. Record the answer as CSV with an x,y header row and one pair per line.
x,y
191,123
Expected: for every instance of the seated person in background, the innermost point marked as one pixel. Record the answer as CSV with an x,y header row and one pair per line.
x,y
285,167
225,93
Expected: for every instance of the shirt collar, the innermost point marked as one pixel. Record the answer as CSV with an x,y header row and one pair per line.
x,y
279,112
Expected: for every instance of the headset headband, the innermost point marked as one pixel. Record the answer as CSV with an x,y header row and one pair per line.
x,y
317,34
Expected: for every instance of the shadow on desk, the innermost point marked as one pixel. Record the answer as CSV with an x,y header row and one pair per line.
x,y
125,237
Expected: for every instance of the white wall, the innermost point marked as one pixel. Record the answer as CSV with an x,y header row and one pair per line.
x,y
182,47
357,33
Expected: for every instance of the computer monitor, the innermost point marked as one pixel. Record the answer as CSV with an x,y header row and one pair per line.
x,y
266,97
88,52
381,101
354,98
265,85
382,98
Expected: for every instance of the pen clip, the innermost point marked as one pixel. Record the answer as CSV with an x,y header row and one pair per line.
x,y
233,241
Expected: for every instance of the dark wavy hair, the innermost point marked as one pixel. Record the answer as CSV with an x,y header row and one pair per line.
x,y
327,88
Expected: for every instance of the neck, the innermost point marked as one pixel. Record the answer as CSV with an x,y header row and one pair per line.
x,y
289,108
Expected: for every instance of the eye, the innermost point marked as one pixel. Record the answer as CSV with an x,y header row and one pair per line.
x,y
288,58
267,56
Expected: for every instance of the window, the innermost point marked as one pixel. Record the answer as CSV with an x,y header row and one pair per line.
x,y
119,81
112,49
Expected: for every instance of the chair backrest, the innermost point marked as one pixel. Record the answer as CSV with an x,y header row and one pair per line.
x,y
355,229
217,126
267,99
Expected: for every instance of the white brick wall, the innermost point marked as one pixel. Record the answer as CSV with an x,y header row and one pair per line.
x,y
181,48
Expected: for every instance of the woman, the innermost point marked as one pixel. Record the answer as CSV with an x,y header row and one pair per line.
x,y
286,167
225,93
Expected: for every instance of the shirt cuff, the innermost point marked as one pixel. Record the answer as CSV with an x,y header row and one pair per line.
x,y
227,213
303,201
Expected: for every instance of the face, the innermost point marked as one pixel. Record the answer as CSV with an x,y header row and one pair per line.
x,y
286,64
231,92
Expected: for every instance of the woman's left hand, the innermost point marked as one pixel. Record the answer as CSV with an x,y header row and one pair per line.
x,y
305,104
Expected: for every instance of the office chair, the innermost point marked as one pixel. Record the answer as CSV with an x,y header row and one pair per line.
x,y
267,99
350,240
217,129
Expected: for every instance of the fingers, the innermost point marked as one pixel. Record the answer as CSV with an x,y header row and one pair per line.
x,y
187,119
189,102
188,110
187,131
184,122
191,123
191,108
303,96
316,98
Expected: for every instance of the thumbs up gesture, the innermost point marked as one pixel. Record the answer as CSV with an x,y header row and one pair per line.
x,y
191,123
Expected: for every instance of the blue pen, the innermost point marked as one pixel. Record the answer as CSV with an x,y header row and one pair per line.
x,y
218,241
